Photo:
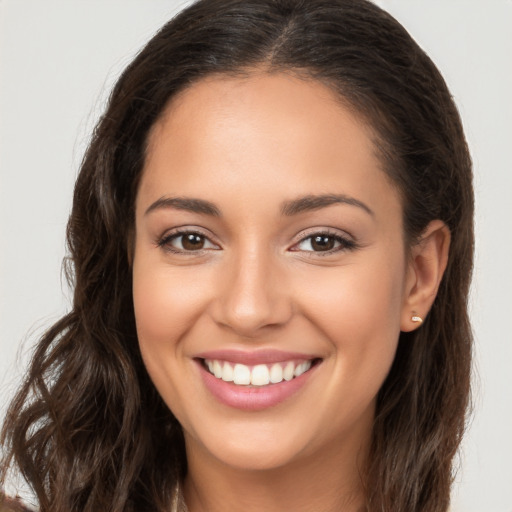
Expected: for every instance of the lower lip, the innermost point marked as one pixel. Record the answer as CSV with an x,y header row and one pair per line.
x,y
253,398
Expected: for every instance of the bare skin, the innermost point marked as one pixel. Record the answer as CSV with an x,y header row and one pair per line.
x,y
256,255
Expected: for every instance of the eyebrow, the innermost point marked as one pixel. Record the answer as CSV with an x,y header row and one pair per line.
x,y
315,202
185,203
288,208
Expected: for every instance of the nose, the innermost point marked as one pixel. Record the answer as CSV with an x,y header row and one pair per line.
x,y
253,295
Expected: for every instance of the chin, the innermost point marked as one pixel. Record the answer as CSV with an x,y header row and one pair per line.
x,y
253,446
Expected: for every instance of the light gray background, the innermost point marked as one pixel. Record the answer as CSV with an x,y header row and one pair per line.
x,y
58,60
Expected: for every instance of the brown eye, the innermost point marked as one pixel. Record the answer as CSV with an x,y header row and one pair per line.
x,y
186,242
322,242
192,242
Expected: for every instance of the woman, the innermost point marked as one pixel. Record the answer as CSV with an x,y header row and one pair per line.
x,y
271,240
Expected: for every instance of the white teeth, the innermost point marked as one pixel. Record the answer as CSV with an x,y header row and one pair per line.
x,y
276,373
242,375
258,375
227,372
217,369
302,368
288,371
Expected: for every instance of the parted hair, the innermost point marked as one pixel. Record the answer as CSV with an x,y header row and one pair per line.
x,y
87,429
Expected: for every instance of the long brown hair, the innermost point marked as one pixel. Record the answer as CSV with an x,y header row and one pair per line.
x,y
88,430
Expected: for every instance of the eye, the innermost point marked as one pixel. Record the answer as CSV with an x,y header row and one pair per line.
x,y
324,242
186,241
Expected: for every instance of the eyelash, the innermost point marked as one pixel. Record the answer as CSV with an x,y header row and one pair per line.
x,y
165,241
344,244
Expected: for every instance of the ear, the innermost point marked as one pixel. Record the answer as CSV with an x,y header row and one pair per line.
x,y
427,263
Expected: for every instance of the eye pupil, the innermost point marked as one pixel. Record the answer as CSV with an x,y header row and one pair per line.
x,y
192,241
322,243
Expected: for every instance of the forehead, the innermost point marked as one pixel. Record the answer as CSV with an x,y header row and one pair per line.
x,y
249,101
275,133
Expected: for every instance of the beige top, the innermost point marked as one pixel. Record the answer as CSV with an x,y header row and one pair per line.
x,y
178,502
12,505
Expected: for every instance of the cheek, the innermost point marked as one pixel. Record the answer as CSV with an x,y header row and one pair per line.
x,y
165,300
156,312
358,308
356,296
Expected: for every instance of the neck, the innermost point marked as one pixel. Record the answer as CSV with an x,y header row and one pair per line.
x,y
325,482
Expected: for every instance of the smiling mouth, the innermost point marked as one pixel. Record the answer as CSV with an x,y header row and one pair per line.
x,y
259,374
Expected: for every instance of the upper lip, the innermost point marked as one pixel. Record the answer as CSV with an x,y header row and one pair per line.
x,y
266,356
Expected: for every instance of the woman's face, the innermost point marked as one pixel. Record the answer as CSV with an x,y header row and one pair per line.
x,y
268,250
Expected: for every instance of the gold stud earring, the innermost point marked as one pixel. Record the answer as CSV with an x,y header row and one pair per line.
x,y
416,319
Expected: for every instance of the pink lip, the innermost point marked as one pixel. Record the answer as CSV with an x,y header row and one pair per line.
x,y
254,357
253,398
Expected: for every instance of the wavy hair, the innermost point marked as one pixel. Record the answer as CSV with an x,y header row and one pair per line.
x,y
87,429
